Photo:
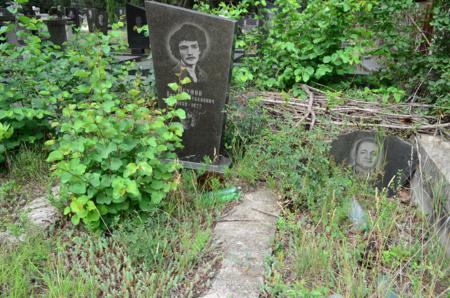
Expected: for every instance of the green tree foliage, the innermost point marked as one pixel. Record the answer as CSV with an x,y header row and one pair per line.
x,y
418,60
323,41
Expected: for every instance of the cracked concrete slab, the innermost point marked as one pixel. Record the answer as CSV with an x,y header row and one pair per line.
x,y
245,236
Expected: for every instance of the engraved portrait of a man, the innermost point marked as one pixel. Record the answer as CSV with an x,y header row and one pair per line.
x,y
366,156
188,45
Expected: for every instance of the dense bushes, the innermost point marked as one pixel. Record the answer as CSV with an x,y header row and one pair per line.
x,y
420,64
110,142
323,41
38,78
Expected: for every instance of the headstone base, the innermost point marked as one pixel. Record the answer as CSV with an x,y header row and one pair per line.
x,y
218,166
137,51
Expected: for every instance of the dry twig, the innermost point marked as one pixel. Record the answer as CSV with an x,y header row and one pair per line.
x,y
353,112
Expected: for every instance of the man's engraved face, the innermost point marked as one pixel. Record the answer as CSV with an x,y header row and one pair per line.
x,y
367,154
189,52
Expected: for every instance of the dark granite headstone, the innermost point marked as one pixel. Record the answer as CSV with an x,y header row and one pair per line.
x,y
388,160
198,46
59,30
136,18
73,14
97,20
101,21
91,19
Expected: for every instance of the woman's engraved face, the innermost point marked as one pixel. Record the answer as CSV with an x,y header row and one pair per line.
x,y
367,154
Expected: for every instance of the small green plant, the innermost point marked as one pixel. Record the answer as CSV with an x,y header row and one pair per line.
x,y
8,190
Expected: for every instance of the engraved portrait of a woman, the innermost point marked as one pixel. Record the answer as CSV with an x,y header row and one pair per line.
x,y
366,156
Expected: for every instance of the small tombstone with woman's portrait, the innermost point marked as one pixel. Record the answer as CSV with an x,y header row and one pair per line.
x,y
197,48
386,160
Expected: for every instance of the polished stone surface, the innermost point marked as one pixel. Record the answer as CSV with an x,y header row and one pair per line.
x,y
387,160
97,20
198,46
90,16
136,18
101,21
59,30
73,14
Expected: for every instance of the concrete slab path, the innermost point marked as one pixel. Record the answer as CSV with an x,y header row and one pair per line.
x,y
245,236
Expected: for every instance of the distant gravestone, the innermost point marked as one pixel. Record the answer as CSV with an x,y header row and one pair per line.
x,y
120,12
59,29
91,19
249,23
388,160
97,20
101,21
73,14
189,44
136,18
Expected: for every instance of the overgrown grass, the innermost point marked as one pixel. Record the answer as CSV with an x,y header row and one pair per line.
x,y
168,252
318,250
31,269
26,179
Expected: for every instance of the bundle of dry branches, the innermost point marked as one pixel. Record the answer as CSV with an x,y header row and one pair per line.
x,y
351,113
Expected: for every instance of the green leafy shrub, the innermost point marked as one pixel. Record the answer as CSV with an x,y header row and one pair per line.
x,y
38,79
24,86
112,153
417,64
321,40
